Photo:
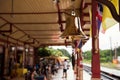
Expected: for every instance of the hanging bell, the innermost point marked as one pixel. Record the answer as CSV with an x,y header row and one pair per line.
x,y
70,29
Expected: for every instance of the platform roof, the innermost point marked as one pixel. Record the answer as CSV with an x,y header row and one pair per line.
x,y
39,22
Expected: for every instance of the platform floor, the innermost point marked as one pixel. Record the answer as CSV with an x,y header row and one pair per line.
x,y
59,75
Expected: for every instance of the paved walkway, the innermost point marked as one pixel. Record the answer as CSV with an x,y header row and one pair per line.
x,y
70,75
58,76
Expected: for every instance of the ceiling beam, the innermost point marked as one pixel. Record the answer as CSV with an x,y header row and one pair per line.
x,y
16,28
37,22
86,14
29,13
54,44
44,34
86,29
3,25
10,37
22,36
52,38
43,30
9,42
59,16
10,29
87,4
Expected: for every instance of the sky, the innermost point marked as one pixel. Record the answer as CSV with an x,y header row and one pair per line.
x,y
109,40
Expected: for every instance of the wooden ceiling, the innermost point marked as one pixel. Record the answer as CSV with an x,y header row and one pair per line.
x,y
40,22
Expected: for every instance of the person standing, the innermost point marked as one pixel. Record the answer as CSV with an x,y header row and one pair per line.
x,y
73,60
65,66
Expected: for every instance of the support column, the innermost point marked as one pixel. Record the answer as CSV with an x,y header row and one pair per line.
x,y
80,73
15,52
95,44
79,65
6,64
30,57
23,61
26,49
75,66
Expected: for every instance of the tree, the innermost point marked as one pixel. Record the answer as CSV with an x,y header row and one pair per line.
x,y
43,52
65,53
105,55
87,55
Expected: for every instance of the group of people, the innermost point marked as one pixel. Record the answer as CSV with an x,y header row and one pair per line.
x,y
44,70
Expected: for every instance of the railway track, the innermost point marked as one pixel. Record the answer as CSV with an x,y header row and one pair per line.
x,y
104,75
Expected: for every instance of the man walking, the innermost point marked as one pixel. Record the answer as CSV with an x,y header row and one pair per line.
x,y
65,66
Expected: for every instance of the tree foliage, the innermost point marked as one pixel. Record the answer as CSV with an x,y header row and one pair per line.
x,y
118,51
65,52
87,55
54,52
105,55
44,52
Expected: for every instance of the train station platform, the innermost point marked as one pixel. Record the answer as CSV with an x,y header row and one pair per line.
x,y
59,75
71,75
